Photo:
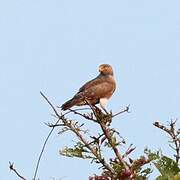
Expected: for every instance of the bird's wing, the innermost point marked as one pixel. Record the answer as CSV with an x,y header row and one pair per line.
x,y
89,83
99,87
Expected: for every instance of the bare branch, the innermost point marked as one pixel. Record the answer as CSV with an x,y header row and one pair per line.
x,y
83,115
11,167
106,132
173,133
123,111
73,129
49,134
128,151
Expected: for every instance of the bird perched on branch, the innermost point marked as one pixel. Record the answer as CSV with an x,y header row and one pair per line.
x,y
98,90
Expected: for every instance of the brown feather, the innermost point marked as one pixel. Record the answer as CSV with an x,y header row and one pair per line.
x,y
103,86
68,104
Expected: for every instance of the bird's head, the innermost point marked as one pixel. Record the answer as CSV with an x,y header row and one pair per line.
x,y
105,69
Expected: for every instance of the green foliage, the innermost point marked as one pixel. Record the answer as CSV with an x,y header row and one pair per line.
x,y
167,167
118,167
146,172
152,155
121,166
138,167
79,151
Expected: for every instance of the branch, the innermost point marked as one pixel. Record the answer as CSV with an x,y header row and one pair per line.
x,y
106,132
102,119
83,115
11,167
87,144
123,111
49,134
128,151
73,129
173,133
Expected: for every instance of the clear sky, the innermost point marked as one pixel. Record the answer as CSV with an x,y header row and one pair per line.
x,y
55,46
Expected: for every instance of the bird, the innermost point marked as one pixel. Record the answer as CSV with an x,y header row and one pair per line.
x,y
96,91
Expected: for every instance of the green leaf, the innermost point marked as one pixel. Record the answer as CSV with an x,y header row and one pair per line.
x,y
152,155
167,167
162,178
79,151
146,171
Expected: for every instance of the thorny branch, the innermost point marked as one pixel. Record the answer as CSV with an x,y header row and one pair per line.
x,y
106,131
86,143
12,168
93,146
74,129
73,126
174,135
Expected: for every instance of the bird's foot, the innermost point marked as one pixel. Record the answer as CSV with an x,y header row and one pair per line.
x,y
103,115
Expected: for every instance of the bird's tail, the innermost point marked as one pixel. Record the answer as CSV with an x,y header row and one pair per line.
x,y
69,104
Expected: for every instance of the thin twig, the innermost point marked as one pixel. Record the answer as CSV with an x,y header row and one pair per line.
x,y
82,115
95,139
128,151
52,125
41,153
77,109
50,104
49,134
123,111
11,167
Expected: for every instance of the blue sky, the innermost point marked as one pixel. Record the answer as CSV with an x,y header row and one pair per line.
x,y
56,46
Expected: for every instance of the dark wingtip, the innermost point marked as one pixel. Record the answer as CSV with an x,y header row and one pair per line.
x,y
63,108
66,105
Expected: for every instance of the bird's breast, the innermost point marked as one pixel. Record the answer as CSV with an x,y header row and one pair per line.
x,y
103,102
